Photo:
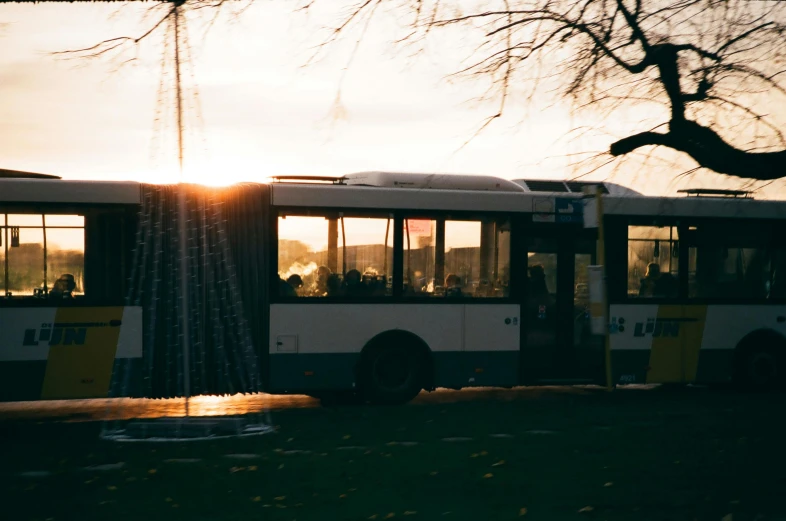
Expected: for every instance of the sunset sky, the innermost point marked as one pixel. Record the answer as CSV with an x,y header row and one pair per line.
x,y
263,112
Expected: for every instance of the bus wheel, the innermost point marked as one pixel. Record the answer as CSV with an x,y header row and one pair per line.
x,y
391,375
762,370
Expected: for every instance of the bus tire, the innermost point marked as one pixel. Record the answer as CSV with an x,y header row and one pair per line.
x,y
760,362
392,371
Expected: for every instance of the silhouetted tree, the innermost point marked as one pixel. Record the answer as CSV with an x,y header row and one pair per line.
x,y
716,66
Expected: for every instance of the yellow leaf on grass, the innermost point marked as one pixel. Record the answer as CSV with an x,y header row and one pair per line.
x,y
342,496
256,499
489,475
152,471
252,468
280,498
390,516
499,463
484,453
522,512
586,509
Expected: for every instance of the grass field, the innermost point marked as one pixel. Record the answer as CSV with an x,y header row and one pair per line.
x,y
549,454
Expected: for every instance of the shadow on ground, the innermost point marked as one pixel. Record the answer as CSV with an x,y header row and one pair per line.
x,y
539,453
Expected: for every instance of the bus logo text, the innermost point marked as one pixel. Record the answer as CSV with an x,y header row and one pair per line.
x,y
63,333
663,327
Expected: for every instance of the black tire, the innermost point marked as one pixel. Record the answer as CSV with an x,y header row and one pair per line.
x,y
391,374
762,369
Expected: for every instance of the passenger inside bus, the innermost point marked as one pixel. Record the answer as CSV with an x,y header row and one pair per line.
x,y
657,284
538,291
63,287
352,286
285,289
453,285
296,281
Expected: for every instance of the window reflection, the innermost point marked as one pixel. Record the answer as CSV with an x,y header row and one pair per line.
x,y
420,240
653,253
335,256
732,262
42,255
456,258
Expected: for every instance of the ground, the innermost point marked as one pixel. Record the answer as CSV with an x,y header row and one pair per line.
x,y
550,454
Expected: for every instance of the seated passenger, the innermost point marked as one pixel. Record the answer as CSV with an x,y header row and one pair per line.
x,y
453,285
333,284
296,282
285,289
353,285
656,284
63,287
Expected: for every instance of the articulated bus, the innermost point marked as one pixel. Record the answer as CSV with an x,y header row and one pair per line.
x,y
381,285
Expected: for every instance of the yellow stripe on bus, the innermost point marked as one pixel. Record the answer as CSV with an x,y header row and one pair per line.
x,y
82,352
666,352
692,334
674,355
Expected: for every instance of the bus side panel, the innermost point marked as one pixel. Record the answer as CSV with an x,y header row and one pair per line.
x,y
66,352
491,344
689,343
630,347
317,345
727,325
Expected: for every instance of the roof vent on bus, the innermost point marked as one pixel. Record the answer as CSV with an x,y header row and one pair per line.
x,y
573,187
17,174
432,181
715,192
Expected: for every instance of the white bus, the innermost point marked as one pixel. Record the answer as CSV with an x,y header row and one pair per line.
x,y
379,284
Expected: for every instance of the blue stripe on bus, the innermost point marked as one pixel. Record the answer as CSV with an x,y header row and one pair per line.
x,y
306,372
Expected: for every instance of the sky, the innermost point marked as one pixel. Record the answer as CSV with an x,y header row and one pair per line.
x,y
255,109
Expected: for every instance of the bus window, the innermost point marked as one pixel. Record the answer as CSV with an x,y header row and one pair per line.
x,y
453,258
43,255
366,253
731,260
462,259
730,272
653,261
477,254
335,256
420,240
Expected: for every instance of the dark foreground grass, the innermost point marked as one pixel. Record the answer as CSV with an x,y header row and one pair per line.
x,y
659,455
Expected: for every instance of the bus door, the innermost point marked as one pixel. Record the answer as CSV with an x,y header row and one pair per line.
x,y
556,339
